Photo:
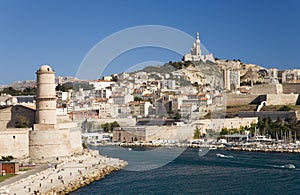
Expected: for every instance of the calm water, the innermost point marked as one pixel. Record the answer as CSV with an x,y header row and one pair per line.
x,y
245,173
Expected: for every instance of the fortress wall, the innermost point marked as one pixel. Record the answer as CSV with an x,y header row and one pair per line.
x,y
50,143
66,125
14,142
169,132
5,117
230,123
10,116
75,140
239,99
62,118
186,132
272,99
266,89
123,122
284,115
289,88
282,99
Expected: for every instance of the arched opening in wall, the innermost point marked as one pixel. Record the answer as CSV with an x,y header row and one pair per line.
x,y
43,121
14,137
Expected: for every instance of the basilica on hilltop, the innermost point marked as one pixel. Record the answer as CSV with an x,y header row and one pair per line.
x,y
196,53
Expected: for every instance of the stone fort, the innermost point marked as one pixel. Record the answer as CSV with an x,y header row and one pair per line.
x,y
35,133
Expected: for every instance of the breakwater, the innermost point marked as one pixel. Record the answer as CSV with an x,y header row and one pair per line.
x,y
84,180
67,176
271,149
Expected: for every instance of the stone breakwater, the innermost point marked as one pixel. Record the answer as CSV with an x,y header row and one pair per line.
x,y
66,176
84,180
255,149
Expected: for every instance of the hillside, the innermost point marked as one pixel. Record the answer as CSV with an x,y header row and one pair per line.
x,y
208,73
248,72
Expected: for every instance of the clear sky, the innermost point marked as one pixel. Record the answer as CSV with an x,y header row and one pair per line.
x,y
60,33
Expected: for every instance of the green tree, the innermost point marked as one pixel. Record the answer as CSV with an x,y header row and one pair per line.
x,y
109,127
84,145
285,108
105,127
115,78
224,131
136,98
22,122
196,133
84,85
177,116
149,100
29,91
6,158
113,125
11,91
63,87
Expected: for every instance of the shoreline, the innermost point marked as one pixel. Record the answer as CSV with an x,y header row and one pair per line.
x,y
68,176
273,149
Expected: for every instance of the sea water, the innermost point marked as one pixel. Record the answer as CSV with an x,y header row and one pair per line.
x,y
191,173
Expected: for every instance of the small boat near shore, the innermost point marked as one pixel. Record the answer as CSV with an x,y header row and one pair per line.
x,y
289,166
223,156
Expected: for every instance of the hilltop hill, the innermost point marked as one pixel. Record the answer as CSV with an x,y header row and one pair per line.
x,y
207,73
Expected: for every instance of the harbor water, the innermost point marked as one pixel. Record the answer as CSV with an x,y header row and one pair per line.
x,y
217,172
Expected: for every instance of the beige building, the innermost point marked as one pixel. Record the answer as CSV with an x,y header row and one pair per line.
x,y
178,132
139,108
129,134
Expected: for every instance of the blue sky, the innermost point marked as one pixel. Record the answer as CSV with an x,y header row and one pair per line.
x,y
61,33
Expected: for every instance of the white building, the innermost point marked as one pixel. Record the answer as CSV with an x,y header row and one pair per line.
x,y
196,54
171,84
101,84
291,76
231,79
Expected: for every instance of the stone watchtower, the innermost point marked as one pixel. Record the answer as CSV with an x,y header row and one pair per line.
x,y
46,97
49,140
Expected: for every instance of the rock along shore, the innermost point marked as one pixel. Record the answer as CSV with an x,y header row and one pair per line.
x,y
83,180
67,176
